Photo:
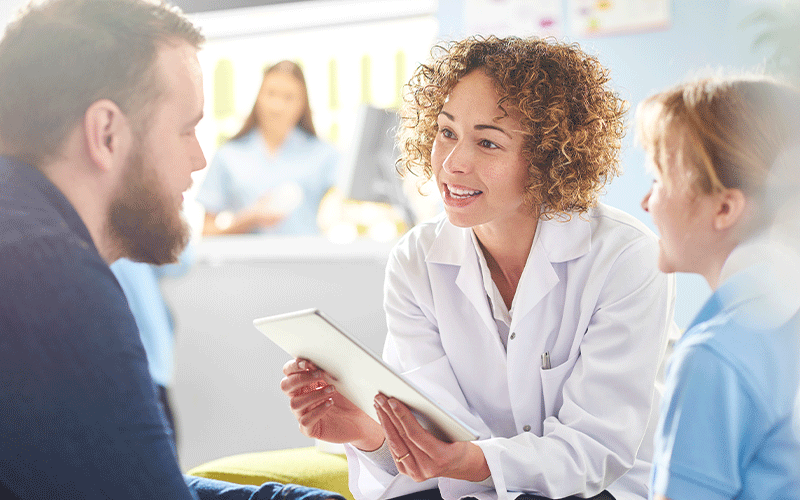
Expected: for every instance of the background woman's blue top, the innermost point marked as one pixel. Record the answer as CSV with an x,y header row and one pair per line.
x,y
243,170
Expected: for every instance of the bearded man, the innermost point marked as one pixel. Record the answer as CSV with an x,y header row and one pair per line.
x,y
99,100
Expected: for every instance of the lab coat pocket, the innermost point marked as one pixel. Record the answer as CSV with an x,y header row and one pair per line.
x,y
553,380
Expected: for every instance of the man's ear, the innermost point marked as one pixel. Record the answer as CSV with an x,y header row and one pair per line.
x,y
731,205
107,132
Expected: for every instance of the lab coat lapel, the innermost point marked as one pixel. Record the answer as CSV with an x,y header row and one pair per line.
x,y
558,241
468,280
537,280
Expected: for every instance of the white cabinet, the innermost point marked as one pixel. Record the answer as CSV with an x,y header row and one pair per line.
x,y
226,391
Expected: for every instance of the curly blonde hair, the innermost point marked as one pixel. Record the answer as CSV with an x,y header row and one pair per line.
x,y
573,122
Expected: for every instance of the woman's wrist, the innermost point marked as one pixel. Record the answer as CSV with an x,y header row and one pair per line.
x,y
370,443
373,437
474,467
224,220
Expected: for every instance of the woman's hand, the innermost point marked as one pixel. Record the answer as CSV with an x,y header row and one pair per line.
x,y
420,455
322,412
244,221
263,213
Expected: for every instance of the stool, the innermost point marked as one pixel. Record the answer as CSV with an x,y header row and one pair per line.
x,y
303,466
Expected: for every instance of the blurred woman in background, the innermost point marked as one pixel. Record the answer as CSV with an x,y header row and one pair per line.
x,y
271,176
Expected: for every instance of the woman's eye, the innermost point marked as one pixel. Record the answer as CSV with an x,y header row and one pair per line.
x,y
488,144
447,133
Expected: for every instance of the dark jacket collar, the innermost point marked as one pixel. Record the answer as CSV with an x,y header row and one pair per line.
x,y
25,193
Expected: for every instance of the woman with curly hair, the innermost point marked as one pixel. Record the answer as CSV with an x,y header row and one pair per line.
x,y
532,312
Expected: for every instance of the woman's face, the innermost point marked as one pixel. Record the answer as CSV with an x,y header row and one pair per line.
x,y
477,158
682,214
281,102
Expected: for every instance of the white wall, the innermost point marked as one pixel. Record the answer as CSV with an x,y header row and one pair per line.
x,y
226,390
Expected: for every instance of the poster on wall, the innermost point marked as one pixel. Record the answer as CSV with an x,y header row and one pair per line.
x,y
514,17
611,17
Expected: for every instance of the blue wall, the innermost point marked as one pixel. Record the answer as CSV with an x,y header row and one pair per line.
x,y
705,36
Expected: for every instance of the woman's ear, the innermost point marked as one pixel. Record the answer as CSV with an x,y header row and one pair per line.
x,y
731,205
107,133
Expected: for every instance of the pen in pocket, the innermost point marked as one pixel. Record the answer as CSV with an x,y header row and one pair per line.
x,y
545,360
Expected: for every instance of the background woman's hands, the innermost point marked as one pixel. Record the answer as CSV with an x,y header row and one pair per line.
x,y
257,216
322,412
276,205
263,213
420,455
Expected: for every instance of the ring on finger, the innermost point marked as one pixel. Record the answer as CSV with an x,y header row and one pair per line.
x,y
400,459
313,387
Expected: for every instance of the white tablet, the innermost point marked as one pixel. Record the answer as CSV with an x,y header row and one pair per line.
x,y
360,374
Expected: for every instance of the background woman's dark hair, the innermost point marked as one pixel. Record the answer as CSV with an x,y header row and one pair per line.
x,y
571,119
305,123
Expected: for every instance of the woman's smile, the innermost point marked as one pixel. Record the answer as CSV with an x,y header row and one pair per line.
x,y
459,196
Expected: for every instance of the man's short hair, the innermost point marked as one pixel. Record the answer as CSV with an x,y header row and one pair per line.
x,y
60,56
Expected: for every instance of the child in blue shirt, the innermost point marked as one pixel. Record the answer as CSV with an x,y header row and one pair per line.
x,y
728,423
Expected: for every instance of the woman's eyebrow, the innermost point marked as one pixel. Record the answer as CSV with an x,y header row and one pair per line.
x,y
479,126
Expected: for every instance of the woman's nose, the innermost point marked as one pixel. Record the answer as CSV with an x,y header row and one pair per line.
x,y
646,201
275,105
457,160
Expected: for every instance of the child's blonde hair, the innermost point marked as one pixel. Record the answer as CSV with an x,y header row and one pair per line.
x,y
734,128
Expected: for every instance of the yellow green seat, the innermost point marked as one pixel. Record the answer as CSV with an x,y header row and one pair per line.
x,y
303,466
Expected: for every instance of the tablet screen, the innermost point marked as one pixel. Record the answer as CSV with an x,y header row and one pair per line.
x,y
360,373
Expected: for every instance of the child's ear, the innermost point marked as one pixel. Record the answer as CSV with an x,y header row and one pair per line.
x,y
730,209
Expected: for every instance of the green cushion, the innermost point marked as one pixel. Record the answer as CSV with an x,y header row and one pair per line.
x,y
303,466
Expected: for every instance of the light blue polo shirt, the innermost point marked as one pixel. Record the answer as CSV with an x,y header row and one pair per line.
x,y
729,426
141,284
243,170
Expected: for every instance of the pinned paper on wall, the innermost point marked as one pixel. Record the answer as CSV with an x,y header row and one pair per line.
x,y
514,17
607,17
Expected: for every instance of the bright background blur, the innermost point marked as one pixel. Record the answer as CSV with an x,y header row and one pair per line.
x,y
358,52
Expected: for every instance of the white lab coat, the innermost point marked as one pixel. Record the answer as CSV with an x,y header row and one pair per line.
x,y
592,297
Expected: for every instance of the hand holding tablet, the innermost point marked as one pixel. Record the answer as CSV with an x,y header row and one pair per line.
x,y
357,373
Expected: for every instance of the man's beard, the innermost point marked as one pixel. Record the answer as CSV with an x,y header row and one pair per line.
x,y
143,220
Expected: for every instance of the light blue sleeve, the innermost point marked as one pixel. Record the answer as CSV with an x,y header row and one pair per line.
x,y
331,168
139,282
704,429
214,193
179,268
